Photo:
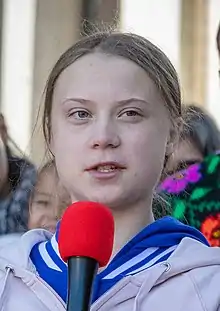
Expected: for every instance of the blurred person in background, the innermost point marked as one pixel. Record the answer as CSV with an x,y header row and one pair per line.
x,y
192,188
48,200
192,195
17,178
199,138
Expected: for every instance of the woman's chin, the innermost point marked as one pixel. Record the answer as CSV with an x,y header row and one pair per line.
x,y
113,196
109,199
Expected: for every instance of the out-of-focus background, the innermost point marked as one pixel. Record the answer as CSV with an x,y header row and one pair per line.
x,y
34,33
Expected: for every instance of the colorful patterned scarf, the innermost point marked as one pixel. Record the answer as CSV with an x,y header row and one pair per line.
x,y
194,197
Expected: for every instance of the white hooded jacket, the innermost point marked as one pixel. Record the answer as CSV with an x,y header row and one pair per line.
x,y
188,280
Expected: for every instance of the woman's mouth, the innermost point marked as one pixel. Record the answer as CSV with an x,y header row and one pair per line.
x,y
106,170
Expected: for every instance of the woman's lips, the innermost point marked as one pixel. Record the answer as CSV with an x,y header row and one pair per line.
x,y
105,170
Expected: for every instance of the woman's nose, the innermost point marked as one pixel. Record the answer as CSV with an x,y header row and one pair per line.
x,y
105,137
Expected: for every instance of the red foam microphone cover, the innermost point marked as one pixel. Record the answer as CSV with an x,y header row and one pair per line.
x,y
87,230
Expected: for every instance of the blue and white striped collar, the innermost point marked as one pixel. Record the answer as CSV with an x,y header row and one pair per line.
x,y
152,245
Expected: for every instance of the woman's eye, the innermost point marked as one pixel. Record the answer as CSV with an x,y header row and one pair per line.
x,y
42,203
80,115
130,113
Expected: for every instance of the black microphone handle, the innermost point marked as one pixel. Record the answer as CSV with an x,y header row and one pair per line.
x,y
81,274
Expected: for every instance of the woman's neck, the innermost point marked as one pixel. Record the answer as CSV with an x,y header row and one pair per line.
x,y
129,222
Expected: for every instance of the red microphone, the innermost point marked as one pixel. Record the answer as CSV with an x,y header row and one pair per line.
x,y
85,242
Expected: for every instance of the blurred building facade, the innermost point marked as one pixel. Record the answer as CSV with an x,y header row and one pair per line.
x,y
34,33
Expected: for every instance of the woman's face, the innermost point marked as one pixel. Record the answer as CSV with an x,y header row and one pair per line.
x,y
48,202
184,155
110,130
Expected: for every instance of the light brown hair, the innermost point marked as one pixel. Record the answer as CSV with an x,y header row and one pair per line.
x,y
130,46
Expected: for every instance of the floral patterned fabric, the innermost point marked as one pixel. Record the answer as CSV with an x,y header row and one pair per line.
x,y
194,197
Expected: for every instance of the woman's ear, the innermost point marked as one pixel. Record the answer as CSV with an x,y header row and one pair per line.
x,y
169,148
175,134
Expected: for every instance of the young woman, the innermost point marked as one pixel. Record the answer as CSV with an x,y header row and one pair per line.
x,y
48,199
191,189
17,178
200,137
112,114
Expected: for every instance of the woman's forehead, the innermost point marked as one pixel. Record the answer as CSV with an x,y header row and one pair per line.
x,y
99,77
